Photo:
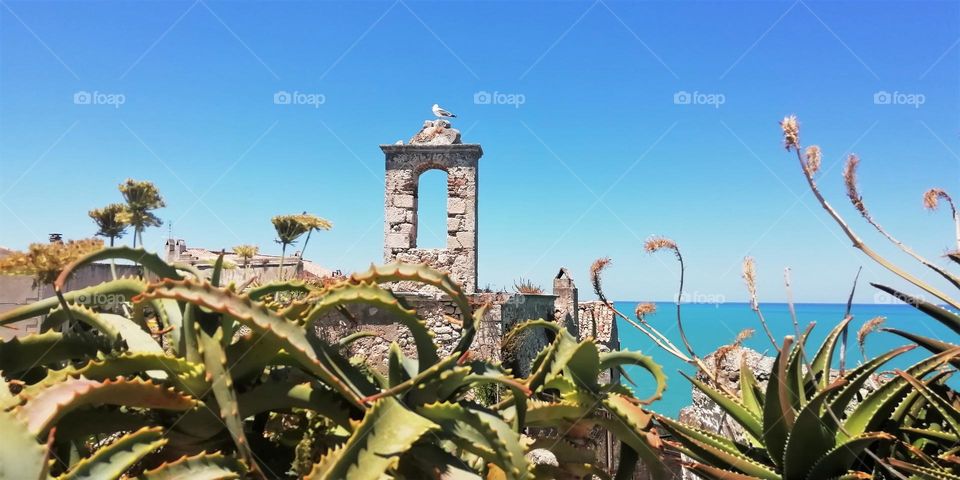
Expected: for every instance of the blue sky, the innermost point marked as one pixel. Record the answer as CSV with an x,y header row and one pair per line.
x,y
596,158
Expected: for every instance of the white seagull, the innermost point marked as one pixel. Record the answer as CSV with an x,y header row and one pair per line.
x,y
439,112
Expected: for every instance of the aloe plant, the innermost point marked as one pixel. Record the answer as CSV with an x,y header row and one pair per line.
x,y
204,381
926,419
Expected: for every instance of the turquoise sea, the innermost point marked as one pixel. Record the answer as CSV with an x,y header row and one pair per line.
x,y
708,326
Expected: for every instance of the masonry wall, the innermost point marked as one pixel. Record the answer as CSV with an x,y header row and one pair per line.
x,y
18,290
404,165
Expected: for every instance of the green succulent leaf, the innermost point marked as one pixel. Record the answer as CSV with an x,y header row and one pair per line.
x,y
482,433
45,409
112,460
619,358
387,430
843,457
940,314
823,360
262,321
21,456
370,293
751,396
931,344
633,426
119,288
204,466
20,354
751,423
877,407
778,414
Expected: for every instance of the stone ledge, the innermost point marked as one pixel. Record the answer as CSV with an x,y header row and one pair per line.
x,y
418,148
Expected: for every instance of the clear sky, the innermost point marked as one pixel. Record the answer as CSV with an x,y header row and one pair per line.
x,y
598,155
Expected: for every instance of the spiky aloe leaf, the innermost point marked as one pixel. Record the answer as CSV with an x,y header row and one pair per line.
x,y
96,421
822,361
186,376
751,396
426,460
796,378
204,466
812,436
370,293
751,423
543,362
949,413
713,473
620,358
736,461
292,286
112,460
399,367
21,456
23,353
262,321
923,473
842,457
931,344
150,261
855,379
876,408
778,413
634,426
123,287
209,334
399,272
940,314
53,403
483,434
115,327
946,438
353,337
387,431
280,395
690,435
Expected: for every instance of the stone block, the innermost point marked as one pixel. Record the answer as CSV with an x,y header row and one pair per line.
x,y
395,215
453,224
456,205
398,240
466,239
403,201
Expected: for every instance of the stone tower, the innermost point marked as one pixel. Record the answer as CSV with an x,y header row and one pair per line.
x,y
405,164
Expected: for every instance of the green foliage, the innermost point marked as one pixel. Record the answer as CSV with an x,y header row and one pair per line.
x,y
110,221
175,389
142,198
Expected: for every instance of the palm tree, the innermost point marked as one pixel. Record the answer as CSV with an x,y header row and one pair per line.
x,y
142,197
289,228
109,221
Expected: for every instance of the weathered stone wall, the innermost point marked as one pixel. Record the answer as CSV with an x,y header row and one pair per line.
x,y
567,301
18,290
598,321
404,165
519,353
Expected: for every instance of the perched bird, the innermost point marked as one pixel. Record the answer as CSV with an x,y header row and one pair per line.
x,y
439,112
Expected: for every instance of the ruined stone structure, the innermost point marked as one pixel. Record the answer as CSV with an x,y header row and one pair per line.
x,y
404,165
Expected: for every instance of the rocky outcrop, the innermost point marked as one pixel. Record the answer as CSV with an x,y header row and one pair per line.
x,y
436,132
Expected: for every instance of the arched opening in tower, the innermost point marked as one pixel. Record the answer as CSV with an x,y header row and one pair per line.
x,y
432,210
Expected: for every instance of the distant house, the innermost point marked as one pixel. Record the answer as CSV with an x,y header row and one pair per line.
x,y
264,268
